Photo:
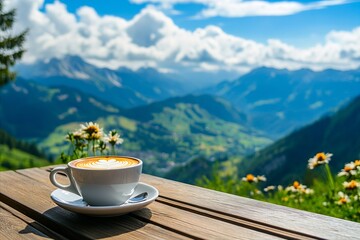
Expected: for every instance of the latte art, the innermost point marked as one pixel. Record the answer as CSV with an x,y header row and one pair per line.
x,y
106,163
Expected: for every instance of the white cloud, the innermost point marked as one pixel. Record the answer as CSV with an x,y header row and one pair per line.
x,y
151,39
245,8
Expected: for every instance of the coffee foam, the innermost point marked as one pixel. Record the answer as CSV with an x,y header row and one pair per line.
x,y
106,163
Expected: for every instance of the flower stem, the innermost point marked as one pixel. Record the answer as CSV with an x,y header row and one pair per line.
x,y
330,177
113,149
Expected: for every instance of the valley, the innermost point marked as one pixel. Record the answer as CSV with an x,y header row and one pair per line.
x,y
170,124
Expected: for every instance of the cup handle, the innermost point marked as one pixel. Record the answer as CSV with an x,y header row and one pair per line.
x,y
65,170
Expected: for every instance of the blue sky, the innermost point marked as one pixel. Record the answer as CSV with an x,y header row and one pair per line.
x,y
301,29
194,36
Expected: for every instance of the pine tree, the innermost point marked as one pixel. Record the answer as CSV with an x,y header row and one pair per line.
x,y
11,45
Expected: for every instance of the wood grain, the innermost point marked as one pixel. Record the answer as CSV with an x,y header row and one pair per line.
x,y
31,223
234,220
180,220
32,199
12,227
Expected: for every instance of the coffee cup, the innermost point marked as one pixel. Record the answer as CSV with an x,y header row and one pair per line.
x,y
101,180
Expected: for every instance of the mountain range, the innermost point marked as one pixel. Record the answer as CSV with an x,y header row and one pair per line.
x,y
165,120
278,101
122,87
275,101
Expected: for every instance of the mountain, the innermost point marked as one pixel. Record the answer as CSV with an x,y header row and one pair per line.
x,y
277,101
191,171
213,105
30,110
15,154
123,87
286,159
174,131
198,168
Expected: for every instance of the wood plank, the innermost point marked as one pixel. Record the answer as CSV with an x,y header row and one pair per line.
x,y
283,218
40,175
32,199
12,227
200,226
30,222
234,220
178,219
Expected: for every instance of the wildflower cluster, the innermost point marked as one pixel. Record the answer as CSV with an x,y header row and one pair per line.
x,y
252,181
296,187
296,193
90,139
351,186
251,178
348,192
351,169
339,197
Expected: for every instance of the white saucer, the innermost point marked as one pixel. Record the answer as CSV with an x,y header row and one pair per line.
x,y
75,203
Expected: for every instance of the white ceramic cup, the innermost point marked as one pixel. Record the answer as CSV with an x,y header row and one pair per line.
x,y
108,185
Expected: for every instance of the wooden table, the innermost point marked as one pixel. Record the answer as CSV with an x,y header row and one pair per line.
x,y
181,212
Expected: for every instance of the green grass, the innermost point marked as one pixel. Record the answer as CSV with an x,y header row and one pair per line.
x,y
11,159
324,199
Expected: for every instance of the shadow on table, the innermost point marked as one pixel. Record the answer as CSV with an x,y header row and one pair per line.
x,y
30,229
73,225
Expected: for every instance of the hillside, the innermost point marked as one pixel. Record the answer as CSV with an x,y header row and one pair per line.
x,y
174,131
15,154
278,101
286,159
29,110
122,87
192,171
213,105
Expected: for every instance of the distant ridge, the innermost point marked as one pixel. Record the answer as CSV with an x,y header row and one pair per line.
x,y
278,101
39,109
286,159
123,87
214,105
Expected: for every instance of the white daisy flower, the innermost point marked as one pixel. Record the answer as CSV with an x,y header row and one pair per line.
x,y
318,159
343,198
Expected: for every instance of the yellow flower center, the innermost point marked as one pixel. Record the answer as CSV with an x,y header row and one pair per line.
x,y
250,178
92,129
357,162
352,184
296,184
342,200
321,157
347,168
